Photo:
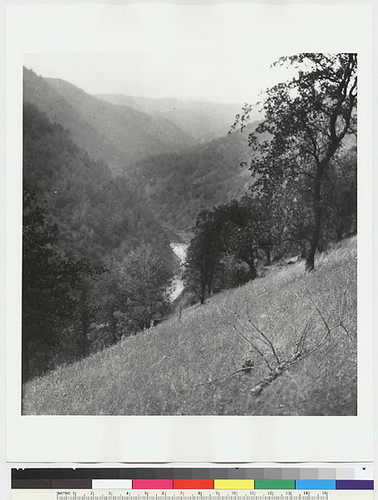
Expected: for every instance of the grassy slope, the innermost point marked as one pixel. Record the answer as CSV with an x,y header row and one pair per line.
x,y
169,369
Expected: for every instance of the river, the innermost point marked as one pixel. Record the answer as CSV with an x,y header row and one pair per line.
x,y
177,286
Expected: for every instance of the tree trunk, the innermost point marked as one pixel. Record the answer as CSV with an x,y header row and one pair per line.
x,y
321,245
317,214
202,294
303,250
310,259
251,264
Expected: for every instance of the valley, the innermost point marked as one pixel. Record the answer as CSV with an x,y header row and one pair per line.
x,y
207,250
189,366
113,185
201,120
174,171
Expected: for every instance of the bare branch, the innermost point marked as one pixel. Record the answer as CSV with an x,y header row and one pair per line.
x,y
239,319
319,311
344,328
302,338
253,346
300,352
263,335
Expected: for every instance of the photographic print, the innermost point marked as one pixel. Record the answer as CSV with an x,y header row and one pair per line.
x,y
190,234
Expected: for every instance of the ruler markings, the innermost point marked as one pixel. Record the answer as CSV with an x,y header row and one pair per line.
x,y
240,495
71,494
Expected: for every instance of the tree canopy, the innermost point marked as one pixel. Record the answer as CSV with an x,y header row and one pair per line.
x,y
306,121
79,225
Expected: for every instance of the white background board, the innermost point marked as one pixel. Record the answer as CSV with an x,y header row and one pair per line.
x,y
154,28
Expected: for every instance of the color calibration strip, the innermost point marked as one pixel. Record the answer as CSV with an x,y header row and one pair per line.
x,y
290,478
193,484
360,472
242,484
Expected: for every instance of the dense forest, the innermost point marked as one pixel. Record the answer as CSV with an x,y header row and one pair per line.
x,y
82,230
109,188
177,186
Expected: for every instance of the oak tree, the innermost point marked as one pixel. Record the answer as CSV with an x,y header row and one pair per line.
x,y
305,122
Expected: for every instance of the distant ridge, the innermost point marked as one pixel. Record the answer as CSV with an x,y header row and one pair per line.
x,y
178,186
202,120
119,135
176,174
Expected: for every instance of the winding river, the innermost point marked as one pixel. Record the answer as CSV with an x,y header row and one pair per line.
x,y
177,285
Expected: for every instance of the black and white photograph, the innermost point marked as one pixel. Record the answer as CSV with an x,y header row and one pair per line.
x,y
189,233
189,240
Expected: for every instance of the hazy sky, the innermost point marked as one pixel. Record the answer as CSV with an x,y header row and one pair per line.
x,y
214,77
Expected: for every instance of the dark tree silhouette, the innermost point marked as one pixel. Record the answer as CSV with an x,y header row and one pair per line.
x,y
203,256
143,280
49,282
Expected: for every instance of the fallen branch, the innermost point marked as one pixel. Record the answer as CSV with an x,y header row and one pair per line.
x,y
300,353
258,388
158,361
225,375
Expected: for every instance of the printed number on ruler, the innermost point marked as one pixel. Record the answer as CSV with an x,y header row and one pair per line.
x,y
193,495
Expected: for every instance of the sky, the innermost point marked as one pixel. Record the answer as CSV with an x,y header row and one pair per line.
x,y
213,77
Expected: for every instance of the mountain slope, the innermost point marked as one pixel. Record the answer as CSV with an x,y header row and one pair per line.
x,y
118,135
178,186
187,367
98,217
202,120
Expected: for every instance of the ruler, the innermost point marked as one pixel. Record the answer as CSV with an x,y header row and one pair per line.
x,y
35,494
343,483
217,495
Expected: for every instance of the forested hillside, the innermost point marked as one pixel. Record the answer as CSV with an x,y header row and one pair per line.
x,y
118,135
178,186
213,361
273,200
173,175
97,216
84,235
202,120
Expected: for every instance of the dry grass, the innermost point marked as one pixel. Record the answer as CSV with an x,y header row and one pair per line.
x,y
172,368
